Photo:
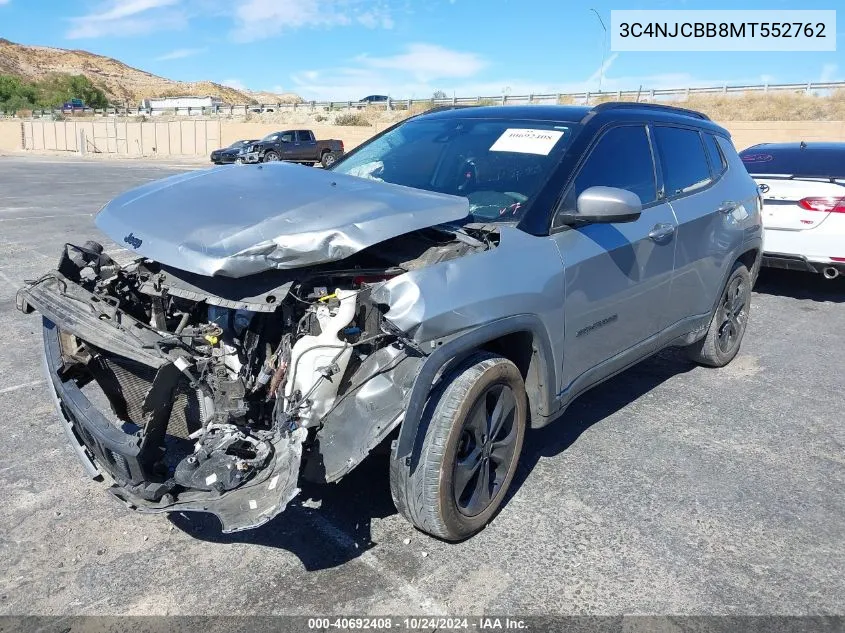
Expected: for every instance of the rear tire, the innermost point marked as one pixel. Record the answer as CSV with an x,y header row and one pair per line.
x,y
476,424
327,159
723,339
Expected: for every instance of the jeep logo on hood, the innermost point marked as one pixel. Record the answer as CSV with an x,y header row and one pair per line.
x,y
133,241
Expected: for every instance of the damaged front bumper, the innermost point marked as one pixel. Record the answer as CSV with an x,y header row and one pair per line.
x,y
175,394
105,449
244,479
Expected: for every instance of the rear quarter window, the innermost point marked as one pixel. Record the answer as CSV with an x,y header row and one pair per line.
x,y
718,164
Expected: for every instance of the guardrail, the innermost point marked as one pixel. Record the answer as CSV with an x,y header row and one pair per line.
x,y
402,104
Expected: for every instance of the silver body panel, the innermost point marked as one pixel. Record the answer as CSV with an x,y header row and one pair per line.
x,y
584,301
238,221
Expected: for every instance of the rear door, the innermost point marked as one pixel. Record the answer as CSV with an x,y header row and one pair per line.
x,y
705,204
306,148
617,275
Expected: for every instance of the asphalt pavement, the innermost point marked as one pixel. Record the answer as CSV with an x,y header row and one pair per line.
x,y
671,489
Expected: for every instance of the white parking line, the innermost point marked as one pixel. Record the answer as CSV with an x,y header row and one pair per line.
x,y
425,603
69,193
23,386
43,217
7,281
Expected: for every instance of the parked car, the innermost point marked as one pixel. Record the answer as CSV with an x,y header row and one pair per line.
x,y
375,99
232,153
296,146
803,189
74,105
458,278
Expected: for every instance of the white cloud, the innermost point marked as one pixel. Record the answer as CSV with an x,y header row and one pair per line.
x,y
237,84
829,73
427,62
417,71
260,19
423,68
126,18
180,53
375,19
2,2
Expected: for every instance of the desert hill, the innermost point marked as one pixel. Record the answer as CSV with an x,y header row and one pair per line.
x,y
120,82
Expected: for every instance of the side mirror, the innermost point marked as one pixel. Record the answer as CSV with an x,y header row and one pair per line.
x,y
604,205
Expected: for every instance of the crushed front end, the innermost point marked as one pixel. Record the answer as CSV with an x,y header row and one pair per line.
x,y
196,393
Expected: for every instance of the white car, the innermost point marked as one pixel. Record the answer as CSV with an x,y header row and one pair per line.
x,y
803,190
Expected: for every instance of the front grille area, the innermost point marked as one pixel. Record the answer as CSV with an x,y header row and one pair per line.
x,y
126,384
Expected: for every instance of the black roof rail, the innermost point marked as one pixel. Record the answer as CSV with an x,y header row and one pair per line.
x,y
449,106
618,105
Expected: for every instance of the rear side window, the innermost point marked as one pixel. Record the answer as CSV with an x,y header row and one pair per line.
x,y
682,160
622,158
718,164
824,162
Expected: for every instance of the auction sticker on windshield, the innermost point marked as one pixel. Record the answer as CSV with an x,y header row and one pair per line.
x,y
525,141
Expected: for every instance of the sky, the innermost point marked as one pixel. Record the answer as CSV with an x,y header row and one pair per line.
x,y
347,49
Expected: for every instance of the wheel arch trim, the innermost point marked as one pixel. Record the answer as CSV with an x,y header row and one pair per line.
x,y
412,430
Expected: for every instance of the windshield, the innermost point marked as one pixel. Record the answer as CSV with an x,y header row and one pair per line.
x,y
271,137
238,144
499,165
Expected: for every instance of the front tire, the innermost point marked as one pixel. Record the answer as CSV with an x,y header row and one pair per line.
x,y
476,423
271,157
723,339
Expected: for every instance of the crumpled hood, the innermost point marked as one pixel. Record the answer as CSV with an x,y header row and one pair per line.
x,y
244,219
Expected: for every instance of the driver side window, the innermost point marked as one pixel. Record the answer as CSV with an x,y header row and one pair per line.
x,y
621,158
286,138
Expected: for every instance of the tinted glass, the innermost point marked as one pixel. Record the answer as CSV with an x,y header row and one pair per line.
x,y
622,159
682,159
717,161
499,165
826,162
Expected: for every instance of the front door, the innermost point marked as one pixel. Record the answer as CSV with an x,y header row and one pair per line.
x,y
618,275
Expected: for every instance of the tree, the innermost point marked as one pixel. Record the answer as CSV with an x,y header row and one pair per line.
x,y
439,94
53,91
16,94
57,89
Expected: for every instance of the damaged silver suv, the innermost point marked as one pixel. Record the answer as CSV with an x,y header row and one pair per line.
x,y
460,277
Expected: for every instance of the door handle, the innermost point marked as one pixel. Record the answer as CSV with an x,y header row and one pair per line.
x,y
661,232
727,207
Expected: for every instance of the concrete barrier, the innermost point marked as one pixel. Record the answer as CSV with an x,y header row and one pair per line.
x,y
11,135
117,137
198,137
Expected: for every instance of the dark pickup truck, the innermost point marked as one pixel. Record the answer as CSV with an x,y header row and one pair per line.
x,y
296,146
